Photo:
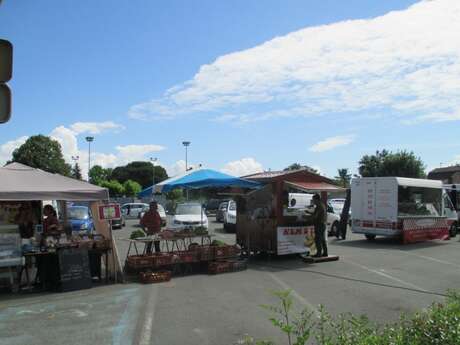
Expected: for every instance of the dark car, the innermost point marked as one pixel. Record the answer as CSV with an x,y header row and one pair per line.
x,y
221,211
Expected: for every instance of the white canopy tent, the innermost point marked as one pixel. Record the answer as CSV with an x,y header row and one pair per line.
x,y
21,182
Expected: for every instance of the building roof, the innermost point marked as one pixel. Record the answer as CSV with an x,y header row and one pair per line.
x,y
451,169
316,186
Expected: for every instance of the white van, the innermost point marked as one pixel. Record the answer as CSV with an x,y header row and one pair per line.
x,y
413,209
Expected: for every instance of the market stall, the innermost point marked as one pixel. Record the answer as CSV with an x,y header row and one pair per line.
x,y
189,249
267,222
57,259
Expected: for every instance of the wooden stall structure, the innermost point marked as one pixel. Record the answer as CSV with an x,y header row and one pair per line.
x,y
262,224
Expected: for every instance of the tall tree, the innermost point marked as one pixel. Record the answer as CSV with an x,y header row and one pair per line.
x,y
343,178
76,171
131,188
97,174
141,172
386,163
44,153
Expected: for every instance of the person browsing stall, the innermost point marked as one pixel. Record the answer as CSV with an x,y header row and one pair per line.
x,y
151,224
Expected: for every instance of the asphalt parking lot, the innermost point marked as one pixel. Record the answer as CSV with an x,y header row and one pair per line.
x,y
381,279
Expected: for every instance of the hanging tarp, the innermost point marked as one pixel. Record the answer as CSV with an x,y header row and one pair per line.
x,y
21,182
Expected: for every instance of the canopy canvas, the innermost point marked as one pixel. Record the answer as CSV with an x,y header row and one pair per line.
x,y
197,179
21,182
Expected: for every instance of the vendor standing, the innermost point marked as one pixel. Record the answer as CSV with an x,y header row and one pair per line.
x,y
319,218
51,222
151,224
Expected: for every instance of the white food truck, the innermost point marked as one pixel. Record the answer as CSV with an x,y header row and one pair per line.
x,y
408,208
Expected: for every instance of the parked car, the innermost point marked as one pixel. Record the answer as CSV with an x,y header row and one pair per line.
x,y
221,211
132,210
338,204
212,205
161,211
81,219
230,216
189,215
119,223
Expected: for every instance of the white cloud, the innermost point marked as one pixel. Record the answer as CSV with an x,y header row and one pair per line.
x,y
130,153
332,142
176,169
6,150
95,127
406,63
242,167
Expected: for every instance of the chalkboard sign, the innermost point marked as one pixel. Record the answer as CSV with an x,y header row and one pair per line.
x,y
74,269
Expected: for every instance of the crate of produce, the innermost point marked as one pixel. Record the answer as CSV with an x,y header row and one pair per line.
x,y
162,259
139,261
205,253
216,267
155,277
226,251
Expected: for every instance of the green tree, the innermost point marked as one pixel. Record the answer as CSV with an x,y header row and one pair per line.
x,y
115,188
141,172
131,188
44,153
76,171
387,163
98,174
343,178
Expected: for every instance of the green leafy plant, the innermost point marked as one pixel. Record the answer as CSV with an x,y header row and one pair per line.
x,y
438,325
136,234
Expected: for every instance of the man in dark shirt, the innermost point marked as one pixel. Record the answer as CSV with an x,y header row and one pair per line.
x,y
319,218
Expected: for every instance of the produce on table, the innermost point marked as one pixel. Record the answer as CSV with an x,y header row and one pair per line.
x,y
136,234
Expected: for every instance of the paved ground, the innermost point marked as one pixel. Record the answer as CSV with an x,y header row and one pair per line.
x,y
380,278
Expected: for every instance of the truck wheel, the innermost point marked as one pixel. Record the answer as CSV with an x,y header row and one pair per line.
x,y
370,237
453,230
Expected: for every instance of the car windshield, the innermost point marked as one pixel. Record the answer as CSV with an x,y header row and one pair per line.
x,y
232,206
223,205
78,213
188,209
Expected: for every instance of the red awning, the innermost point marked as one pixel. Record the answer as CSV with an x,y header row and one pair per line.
x,y
315,186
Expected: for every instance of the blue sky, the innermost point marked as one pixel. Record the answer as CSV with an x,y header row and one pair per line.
x,y
252,84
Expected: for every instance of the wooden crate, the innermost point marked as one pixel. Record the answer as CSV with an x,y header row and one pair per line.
x,y
216,267
162,259
187,256
139,261
155,277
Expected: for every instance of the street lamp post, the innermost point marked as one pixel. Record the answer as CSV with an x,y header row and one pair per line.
x,y
153,160
89,140
186,144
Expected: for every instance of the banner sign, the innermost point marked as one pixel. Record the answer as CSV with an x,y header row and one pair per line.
x,y
110,211
421,229
295,240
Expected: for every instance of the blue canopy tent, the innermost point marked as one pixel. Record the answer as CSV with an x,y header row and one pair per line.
x,y
197,179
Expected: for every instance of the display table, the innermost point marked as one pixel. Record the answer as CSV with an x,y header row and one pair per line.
x,y
51,270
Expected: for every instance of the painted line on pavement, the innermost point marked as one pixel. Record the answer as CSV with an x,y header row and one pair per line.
x,y
294,293
444,262
380,273
146,330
